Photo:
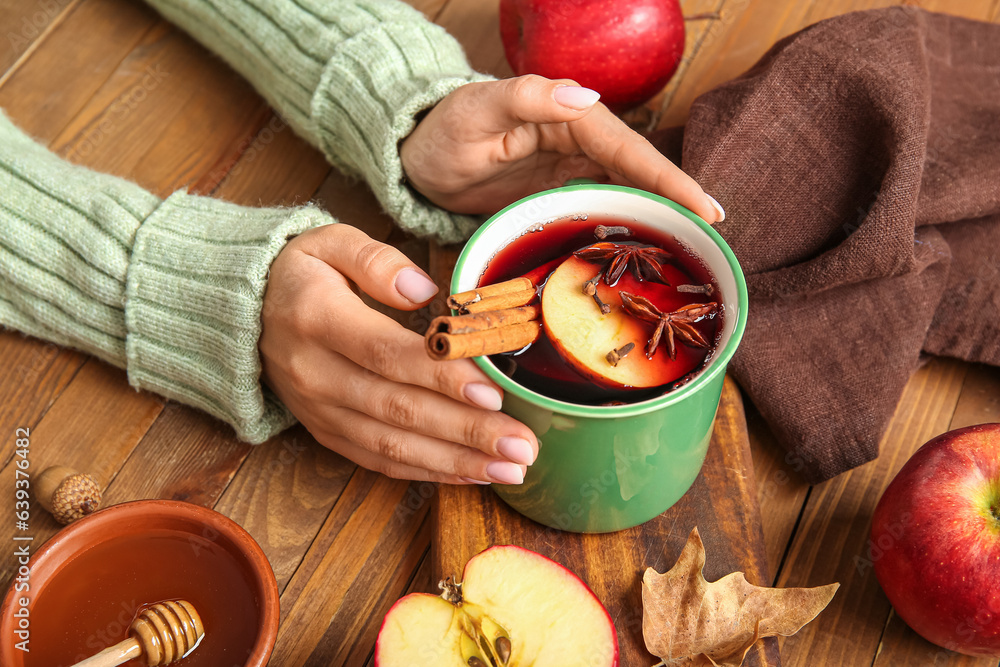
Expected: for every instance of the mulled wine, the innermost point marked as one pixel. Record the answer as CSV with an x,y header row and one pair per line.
x,y
629,311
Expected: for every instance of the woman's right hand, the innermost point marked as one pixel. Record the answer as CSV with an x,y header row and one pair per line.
x,y
362,384
490,143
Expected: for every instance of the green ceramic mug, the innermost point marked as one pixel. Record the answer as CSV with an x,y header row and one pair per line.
x,y
606,468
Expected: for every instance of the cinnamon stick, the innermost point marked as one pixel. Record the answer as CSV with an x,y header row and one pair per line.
x,y
508,294
494,318
465,324
444,346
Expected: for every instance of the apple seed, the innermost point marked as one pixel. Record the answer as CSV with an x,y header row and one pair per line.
x,y
471,651
503,649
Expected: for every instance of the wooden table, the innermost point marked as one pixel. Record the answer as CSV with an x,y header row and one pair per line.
x,y
110,85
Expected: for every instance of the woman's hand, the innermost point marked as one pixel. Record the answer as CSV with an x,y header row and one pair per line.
x,y
363,384
491,143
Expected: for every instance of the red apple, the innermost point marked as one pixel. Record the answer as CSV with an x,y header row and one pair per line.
x,y
514,608
626,50
936,541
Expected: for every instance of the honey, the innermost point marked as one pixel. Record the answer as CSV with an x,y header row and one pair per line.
x,y
90,603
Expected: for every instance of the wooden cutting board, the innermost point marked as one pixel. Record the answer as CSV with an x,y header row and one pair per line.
x,y
722,503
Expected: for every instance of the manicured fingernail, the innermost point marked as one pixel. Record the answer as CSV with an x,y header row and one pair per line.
x,y
718,208
576,97
505,472
517,450
415,286
474,481
483,395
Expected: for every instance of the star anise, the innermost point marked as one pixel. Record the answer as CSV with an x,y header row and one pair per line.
x,y
644,261
676,325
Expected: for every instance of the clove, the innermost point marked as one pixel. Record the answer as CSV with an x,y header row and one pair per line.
x,y
616,355
590,289
605,308
602,232
705,289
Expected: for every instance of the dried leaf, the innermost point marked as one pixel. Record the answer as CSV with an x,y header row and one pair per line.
x,y
688,621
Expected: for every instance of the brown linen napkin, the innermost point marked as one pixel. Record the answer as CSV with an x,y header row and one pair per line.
x,y
859,164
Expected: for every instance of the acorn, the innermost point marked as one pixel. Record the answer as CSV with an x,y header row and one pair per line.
x,y
67,494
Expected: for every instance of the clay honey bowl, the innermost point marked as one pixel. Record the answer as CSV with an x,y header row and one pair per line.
x,y
89,580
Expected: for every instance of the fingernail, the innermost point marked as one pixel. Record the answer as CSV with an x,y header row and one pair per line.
x,y
483,395
415,286
505,472
576,97
473,481
718,208
517,450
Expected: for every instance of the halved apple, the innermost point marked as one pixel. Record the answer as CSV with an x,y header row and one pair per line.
x,y
584,336
514,608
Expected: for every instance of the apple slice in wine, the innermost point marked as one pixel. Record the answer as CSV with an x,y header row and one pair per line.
x,y
584,336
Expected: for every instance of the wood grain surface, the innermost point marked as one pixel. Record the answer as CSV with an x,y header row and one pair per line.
x,y
110,85
722,503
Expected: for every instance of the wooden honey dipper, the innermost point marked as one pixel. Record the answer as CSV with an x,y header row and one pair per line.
x,y
161,634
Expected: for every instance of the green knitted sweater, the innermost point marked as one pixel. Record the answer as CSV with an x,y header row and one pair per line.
x,y
171,289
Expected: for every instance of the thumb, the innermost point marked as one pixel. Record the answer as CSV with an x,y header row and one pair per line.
x,y
380,270
535,99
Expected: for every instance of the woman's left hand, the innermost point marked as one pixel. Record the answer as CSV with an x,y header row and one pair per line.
x,y
490,143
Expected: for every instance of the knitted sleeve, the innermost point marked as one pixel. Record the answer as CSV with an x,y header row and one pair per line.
x,y
348,75
169,289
